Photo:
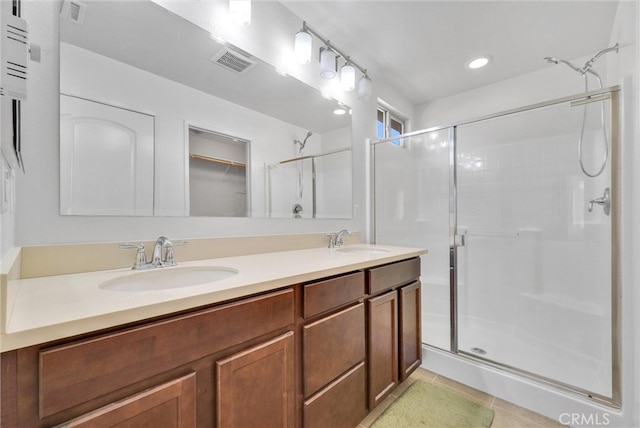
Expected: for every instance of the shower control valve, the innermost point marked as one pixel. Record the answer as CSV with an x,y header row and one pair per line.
x,y
605,201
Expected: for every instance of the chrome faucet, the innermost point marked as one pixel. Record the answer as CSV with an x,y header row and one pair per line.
x,y
157,259
340,237
337,239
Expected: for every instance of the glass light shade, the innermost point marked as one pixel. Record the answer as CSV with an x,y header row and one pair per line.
x,y
327,64
364,88
348,77
302,47
240,11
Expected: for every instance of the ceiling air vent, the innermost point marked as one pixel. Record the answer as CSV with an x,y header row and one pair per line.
x,y
74,10
233,60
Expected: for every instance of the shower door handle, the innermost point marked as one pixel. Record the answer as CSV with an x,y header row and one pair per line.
x,y
605,201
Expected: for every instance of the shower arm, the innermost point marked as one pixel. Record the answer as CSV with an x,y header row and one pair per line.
x,y
589,64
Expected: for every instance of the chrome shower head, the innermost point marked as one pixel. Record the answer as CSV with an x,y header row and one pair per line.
x,y
309,134
552,60
302,143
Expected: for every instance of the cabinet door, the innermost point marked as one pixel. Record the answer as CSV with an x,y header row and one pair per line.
x,y
383,346
410,339
256,386
171,404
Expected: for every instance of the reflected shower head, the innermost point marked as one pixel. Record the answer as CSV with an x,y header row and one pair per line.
x,y
302,143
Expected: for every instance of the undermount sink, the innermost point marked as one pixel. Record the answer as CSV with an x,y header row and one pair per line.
x,y
362,250
167,278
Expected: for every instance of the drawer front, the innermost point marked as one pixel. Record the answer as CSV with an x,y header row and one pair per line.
x,y
332,346
322,296
172,404
75,373
392,275
341,404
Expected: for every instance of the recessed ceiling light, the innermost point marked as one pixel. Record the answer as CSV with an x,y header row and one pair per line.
x,y
478,62
339,111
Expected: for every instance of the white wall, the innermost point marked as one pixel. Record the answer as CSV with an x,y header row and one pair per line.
x,y
37,218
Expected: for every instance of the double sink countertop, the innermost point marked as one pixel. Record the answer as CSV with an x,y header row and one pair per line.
x,y
48,308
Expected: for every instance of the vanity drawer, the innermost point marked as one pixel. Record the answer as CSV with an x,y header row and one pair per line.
x,y
331,346
322,296
78,372
341,404
393,275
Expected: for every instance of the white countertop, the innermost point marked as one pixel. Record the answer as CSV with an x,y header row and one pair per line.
x,y
54,307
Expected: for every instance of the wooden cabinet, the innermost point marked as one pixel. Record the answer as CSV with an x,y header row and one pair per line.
x,y
334,352
256,387
394,346
317,354
170,405
57,383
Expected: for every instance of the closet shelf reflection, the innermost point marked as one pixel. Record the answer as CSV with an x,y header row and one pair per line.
x,y
217,160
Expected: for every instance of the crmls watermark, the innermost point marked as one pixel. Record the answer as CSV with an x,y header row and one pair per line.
x,y
584,419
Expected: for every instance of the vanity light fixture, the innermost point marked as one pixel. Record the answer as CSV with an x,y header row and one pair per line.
x,y
302,45
240,11
348,77
478,62
329,57
364,87
328,60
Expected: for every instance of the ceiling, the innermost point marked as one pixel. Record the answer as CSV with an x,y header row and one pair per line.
x,y
420,47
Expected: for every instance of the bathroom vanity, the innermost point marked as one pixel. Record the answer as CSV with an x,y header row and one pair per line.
x,y
311,346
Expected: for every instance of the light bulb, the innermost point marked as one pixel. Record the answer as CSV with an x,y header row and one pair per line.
x,y
348,77
302,47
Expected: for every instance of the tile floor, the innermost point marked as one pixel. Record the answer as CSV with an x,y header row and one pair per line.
x,y
507,415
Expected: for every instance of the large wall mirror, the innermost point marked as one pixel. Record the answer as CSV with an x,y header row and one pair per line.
x,y
157,118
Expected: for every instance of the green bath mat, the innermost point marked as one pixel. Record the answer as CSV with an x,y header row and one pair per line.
x,y
427,405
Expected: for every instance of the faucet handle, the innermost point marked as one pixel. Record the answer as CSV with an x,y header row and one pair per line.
x,y
332,240
141,257
169,257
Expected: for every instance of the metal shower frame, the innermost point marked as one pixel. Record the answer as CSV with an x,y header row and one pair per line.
x,y
612,93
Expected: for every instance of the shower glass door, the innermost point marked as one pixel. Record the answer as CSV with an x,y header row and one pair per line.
x,y
412,209
533,260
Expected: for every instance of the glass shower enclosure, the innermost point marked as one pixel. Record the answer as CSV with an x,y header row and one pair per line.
x,y
522,268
